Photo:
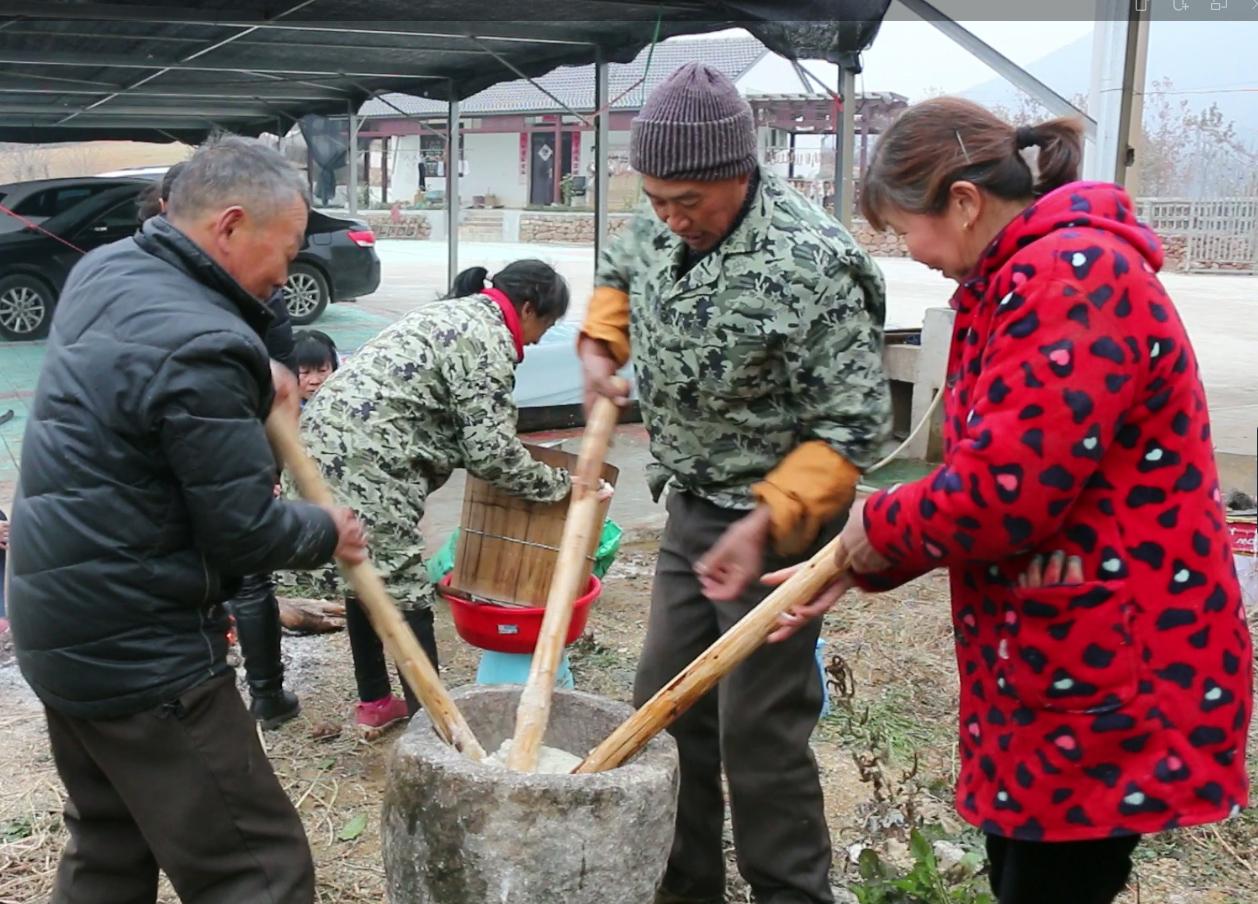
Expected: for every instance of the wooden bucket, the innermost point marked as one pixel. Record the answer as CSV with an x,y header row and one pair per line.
x,y
508,546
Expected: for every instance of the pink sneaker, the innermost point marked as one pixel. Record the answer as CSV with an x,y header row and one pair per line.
x,y
382,713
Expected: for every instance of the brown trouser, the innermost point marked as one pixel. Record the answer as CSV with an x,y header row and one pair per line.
x,y
185,788
757,724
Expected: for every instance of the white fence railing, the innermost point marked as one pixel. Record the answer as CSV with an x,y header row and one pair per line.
x,y
1215,234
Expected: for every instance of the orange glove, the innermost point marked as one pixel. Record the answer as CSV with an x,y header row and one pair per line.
x,y
608,321
809,487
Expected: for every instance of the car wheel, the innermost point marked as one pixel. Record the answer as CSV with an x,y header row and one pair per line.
x,y
305,294
26,304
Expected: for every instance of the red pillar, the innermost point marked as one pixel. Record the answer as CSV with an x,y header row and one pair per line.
x,y
384,171
558,158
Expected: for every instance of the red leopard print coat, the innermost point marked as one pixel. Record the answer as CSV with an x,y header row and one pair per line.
x,y
1076,420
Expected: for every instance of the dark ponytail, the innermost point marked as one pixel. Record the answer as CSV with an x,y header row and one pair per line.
x,y
524,280
1060,155
948,139
469,282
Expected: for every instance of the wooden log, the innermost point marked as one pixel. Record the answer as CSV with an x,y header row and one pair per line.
x,y
714,663
399,641
580,532
310,616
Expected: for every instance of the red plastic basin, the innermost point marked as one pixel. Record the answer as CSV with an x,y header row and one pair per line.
x,y
511,629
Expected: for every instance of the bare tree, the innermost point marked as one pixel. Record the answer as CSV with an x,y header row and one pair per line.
x,y
1192,153
23,162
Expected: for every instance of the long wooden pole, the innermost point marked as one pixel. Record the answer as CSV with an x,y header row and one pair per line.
x,y
381,611
717,661
579,531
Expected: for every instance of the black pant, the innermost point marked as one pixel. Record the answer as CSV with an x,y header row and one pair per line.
x,y
1055,872
259,631
756,724
185,788
371,671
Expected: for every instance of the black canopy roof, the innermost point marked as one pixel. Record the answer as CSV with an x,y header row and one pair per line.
x,y
76,71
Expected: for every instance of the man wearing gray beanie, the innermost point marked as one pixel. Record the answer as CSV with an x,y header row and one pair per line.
x,y
754,323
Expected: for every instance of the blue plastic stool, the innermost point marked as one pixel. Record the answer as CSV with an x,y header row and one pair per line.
x,y
513,668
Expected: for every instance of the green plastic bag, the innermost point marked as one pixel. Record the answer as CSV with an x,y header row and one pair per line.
x,y
608,545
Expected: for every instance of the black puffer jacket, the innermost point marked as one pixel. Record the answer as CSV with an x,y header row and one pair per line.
x,y
279,333
146,481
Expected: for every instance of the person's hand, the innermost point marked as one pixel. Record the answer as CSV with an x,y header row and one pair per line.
x,y
598,370
1055,570
4,534
735,560
351,539
287,393
796,617
863,558
604,492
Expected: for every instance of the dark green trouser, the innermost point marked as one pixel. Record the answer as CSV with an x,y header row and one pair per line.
x,y
185,788
757,724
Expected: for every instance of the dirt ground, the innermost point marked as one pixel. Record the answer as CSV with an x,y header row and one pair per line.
x,y
892,654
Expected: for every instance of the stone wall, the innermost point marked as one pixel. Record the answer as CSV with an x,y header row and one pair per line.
x,y
546,228
566,228
407,226
1174,247
879,244
577,228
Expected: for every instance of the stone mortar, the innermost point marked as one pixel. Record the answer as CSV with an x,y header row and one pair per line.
x,y
457,832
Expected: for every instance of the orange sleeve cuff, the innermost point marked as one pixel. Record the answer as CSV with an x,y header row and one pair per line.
x,y
810,487
607,320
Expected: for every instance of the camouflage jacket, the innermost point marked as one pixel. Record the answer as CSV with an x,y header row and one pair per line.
x,y
431,393
771,340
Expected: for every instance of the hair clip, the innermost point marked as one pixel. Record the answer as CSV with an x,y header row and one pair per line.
x,y
957,132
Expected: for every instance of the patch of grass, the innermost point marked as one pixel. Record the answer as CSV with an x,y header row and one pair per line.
x,y
926,881
16,829
885,722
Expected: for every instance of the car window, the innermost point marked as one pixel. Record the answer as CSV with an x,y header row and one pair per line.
x,y
52,201
122,216
37,204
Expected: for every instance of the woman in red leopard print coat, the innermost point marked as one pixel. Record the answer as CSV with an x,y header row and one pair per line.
x,y
1096,712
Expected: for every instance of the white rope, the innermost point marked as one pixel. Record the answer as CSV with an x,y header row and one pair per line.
x,y
930,411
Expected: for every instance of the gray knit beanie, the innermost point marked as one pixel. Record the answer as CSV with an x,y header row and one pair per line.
x,y
695,125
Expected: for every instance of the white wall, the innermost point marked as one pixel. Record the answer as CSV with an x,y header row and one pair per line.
x,y
403,167
493,167
617,152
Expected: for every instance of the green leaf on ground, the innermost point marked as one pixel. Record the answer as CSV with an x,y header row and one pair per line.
x,y
353,828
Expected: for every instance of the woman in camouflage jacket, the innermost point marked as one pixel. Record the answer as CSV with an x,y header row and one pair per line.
x,y
431,393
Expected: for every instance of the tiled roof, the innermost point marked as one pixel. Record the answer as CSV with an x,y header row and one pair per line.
x,y
574,85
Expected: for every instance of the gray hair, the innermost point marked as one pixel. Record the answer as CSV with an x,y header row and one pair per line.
x,y
233,171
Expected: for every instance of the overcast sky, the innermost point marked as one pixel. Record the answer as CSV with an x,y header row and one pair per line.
x,y
916,59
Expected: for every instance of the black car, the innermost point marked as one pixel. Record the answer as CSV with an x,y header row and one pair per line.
x,y
337,261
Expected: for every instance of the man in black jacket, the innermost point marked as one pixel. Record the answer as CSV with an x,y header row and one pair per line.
x,y
146,491
254,606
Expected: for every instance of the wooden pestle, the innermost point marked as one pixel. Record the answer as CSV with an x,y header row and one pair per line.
x,y
717,661
399,641
580,528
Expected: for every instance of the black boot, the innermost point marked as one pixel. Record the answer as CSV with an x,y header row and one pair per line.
x,y
420,622
258,630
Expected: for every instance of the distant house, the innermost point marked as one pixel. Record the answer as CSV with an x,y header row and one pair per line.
x,y
519,146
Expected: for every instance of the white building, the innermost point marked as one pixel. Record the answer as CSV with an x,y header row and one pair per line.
x,y
520,148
